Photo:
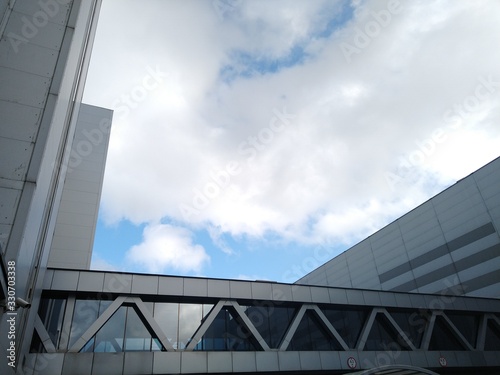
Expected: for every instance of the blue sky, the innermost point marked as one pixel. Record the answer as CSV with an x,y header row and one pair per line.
x,y
258,139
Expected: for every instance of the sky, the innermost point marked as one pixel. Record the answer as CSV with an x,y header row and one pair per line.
x,y
259,139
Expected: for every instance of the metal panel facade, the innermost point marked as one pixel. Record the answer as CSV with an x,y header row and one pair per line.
x,y
76,221
448,243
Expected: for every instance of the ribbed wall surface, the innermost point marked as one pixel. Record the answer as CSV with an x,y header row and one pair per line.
x,y
449,243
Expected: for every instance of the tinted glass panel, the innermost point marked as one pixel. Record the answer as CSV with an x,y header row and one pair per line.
x,y
51,313
492,336
347,322
443,338
190,318
86,312
167,317
412,323
271,322
36,344
311,335
110,337
467,324
137,337
384,336
226,333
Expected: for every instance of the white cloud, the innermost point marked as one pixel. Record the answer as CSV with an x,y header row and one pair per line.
x,y
324,177
99,263
167,247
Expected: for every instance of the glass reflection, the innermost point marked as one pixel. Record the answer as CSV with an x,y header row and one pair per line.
x,y
226,333
384,336
347,322
110,337
137,337
412,323
86,312
311,335
51,312
270,321
167,317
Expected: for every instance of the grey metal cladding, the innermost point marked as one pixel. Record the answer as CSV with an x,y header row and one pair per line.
x,y
460,265
482,281
396,271
436,253
471,236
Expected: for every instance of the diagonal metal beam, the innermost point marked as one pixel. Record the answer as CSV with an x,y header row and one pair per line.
x,y
209,319
249,325
399,330
481,332
151,322
329,326
292,328
67,320
92,330
367,328
456,332
44,336
426,339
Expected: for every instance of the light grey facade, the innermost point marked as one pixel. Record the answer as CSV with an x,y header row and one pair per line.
x,y
45,50
77,216
449,243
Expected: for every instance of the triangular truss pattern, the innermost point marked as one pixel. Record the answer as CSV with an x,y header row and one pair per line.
x,y
490,333
143,313
377,316
441,328
440,332
239,314
292,329
44,336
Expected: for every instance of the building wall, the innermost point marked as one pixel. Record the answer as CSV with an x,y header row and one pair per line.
x,y
450,243
77,217
44,54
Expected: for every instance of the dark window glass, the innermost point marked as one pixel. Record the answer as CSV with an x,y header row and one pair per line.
x,y
311,335
443,338
228,333
270,321
384,336
36,344
492,336
467,324
167,317
347,322
110,337
86,313
413,324
51,313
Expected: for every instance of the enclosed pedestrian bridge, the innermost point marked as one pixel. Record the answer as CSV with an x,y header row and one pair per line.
x,y
92,322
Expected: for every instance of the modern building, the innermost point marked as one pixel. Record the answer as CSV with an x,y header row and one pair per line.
x,y
419,296
45,50
451,242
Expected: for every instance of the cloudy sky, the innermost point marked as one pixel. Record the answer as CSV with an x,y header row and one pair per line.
x,y
257,139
